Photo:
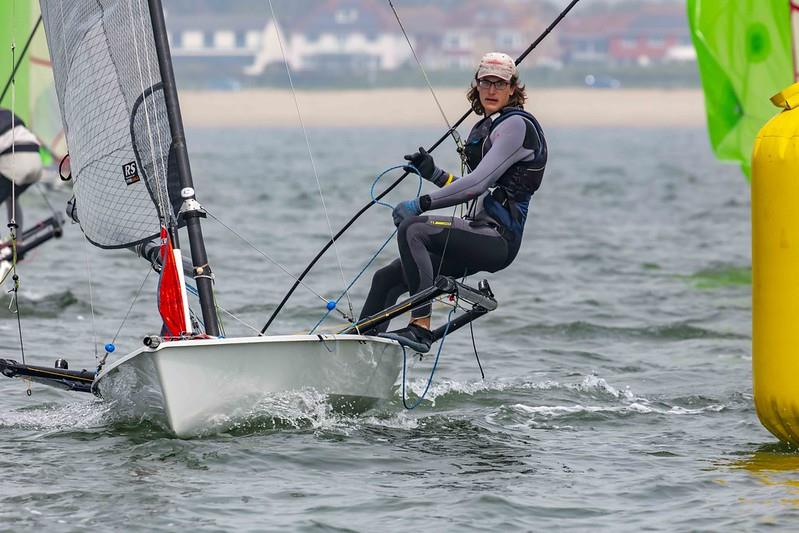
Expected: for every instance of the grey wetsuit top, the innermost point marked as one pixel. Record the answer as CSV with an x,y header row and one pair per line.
x,y
503,148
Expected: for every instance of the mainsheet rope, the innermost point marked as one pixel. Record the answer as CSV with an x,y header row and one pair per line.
x,y
435,364
308,145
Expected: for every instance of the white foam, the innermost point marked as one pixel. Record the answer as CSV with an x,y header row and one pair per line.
x,y
309,409
73,415
556,411
589,384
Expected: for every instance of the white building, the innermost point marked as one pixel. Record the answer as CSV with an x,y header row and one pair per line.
x,y
348,35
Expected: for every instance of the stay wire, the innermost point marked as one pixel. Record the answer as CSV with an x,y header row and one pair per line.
x,y
101,364
456,137
193,290
91,293
18,61
421,68
379,250
270,259
366,207
132,303
308,145
12,224
52,209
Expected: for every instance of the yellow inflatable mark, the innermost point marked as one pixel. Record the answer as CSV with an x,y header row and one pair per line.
x,y
775,269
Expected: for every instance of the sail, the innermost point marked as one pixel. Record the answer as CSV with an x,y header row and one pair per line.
x,y
15,27
744,52
44,118
112,107
35,98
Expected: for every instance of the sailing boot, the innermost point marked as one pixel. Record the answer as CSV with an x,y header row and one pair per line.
x,y
415,337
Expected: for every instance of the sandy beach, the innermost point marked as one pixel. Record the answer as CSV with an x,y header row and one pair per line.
x,y
416,107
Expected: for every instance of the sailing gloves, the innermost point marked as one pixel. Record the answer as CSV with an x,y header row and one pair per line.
x,y
422,163
406,209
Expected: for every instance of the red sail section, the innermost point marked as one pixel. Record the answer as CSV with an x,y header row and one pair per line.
x,y
170,295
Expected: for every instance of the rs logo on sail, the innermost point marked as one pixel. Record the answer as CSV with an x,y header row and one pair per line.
x,y
131,172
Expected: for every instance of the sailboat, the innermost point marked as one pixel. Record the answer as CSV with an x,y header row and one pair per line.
x,y
34,100
133,185
30,239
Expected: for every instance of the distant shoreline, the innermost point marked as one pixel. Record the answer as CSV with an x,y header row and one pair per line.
x,y
568,107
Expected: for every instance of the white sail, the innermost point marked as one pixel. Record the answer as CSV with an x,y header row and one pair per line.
x,y
44,118
114,116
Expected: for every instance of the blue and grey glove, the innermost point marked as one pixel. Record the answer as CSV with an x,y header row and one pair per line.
x,y
426,167
406,209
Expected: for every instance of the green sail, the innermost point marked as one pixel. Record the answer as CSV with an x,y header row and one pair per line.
x,y
35,99
15,26
744,53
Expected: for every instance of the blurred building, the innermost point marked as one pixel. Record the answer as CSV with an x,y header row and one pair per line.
x,y
219,46
359,38
654,33
343,36
456,39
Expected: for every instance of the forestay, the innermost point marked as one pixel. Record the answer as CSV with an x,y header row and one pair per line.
x,y
112,106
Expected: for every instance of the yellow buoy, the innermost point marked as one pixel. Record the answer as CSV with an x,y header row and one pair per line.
x,y
775,269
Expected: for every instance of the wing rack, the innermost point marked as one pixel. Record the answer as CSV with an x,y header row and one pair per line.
x,y
482,300
72,380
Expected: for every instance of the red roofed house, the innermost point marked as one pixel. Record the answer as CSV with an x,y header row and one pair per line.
x,y
627,37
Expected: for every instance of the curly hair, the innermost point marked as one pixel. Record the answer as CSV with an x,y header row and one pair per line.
x,y
517,99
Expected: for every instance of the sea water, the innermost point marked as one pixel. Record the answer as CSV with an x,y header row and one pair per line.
x,y
617,392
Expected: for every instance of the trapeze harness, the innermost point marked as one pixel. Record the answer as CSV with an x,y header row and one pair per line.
x,y
509,201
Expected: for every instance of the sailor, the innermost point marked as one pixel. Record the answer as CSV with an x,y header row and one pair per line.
x,y
506,153
20,162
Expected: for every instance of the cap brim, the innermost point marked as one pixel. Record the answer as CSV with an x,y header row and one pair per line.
x,y
487,74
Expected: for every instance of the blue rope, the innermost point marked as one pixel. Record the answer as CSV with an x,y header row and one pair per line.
x,y
379,250
432,372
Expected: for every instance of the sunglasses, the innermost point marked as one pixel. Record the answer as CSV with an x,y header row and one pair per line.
x,y
498,85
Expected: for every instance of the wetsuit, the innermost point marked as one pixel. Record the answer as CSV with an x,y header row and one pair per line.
x,y
500,150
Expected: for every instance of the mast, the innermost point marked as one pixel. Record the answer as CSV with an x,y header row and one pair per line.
x,y
191,208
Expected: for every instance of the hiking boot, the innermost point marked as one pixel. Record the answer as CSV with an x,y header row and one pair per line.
x,y
414,337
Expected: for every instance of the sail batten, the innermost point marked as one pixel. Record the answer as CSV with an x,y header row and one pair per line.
x,y
115,120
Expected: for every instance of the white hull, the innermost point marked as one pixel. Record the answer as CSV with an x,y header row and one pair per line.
x,y
197,385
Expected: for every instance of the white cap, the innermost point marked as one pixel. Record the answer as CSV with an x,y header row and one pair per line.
x,y
497,64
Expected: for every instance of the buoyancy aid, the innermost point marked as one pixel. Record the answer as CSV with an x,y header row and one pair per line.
x,y
510,198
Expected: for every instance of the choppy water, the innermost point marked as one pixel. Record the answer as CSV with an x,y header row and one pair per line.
x,y
618,384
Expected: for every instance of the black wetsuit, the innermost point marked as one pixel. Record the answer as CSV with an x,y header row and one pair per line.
x,y
490,240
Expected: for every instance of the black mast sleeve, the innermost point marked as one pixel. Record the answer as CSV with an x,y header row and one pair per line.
x,y
202,272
